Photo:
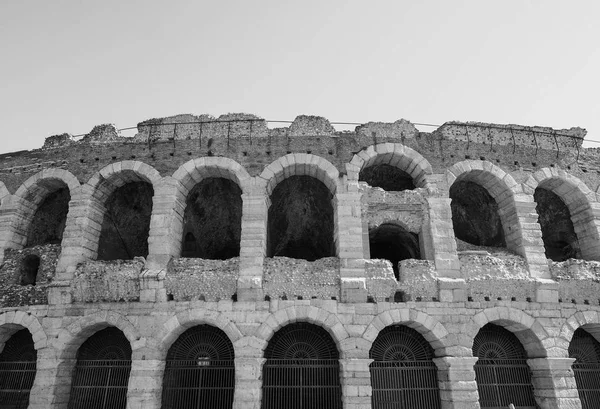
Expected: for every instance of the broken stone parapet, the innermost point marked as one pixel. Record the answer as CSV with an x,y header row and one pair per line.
x,y
311,126
58,141
290,278
401,129
105,133
191,279
104,281
578,280
418,279
517,135
380,280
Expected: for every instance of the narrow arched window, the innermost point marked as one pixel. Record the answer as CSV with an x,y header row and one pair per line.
x,y
502,374
199,371
29,269
302,369
102,372
403,374
17,370
586,351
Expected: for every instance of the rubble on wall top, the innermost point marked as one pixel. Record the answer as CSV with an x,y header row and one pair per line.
x,y
519,135
189,126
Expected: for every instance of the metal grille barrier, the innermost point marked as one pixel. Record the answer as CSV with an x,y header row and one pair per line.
x,y
301,384
198,384
501,382
16,379
404,384
587,378
100,384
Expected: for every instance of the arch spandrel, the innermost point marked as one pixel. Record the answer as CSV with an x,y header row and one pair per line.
x,y
428,326
394,154
177,325
305,313
300,164
112,176
70,338
12,321
532,335
196,170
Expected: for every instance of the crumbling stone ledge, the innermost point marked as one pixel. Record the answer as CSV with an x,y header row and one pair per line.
x,y
418,280
290,278
102,281
192,279
578,280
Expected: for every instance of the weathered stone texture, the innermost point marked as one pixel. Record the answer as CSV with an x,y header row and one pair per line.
x,y
190,279
108,281
287,278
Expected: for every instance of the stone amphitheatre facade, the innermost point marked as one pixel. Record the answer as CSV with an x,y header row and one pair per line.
x,y
216,262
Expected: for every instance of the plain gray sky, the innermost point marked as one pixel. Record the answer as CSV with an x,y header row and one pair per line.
x,y
66,66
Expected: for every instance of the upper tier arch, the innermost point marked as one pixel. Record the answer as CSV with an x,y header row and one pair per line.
x,y
393,154
577,196
502,187
299,164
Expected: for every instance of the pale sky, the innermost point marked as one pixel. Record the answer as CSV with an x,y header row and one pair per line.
x,y
66,66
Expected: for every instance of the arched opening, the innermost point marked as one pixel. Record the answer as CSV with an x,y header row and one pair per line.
x,y
558,234
213,220
301,220
387,177
50,218
126,222
475,216
199,371
29,269
17,370
586,351
394,243
301,369
502,374
102,371
402,372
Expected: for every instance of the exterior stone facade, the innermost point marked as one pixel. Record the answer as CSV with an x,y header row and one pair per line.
x,y
447,294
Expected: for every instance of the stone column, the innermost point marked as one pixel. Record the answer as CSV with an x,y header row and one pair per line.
x,y
355,378
527,238
164,238
145,382
456,378
348,236
554,383
253,244
248,383
438,238
46,381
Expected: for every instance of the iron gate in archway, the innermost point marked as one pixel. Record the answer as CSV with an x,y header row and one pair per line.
x,y
502,374
102,372
302,370
403,374
199,371
17,370
586,351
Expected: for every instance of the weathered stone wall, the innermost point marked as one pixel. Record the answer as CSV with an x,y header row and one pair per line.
x,y
106,281
578,281
544,329
191,279
451,293
12,292
290,279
